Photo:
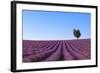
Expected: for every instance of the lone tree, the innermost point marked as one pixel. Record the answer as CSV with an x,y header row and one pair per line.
x,y
76,33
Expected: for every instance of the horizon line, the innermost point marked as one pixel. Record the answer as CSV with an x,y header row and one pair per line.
x,y
56,40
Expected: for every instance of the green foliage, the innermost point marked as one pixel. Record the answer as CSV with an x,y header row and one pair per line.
x,y
76,33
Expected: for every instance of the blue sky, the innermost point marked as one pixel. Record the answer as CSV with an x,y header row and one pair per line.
x,y
46,25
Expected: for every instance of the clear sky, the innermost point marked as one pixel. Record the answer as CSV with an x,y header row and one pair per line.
x,y
46,25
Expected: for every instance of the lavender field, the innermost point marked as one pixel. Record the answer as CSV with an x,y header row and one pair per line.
x,y
56,50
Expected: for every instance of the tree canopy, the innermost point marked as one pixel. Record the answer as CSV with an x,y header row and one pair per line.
x,y
76,33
